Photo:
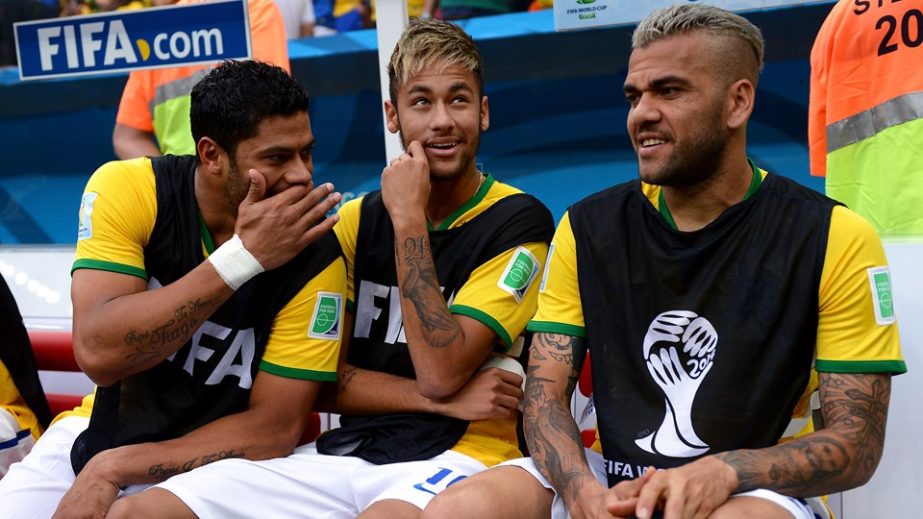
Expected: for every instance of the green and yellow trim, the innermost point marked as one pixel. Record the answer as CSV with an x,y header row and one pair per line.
x,y
109,266
207,239
860,366
550,327
485,318
755,181
301,374
467,206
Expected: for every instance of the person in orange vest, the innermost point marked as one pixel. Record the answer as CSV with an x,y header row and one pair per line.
x,y
153,116
865,126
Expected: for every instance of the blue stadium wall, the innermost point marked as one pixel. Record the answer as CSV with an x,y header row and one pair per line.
x,y
557,117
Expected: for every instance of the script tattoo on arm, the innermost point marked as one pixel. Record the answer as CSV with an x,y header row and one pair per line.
x,y
550,431
421,287
164,471
840,457
147,344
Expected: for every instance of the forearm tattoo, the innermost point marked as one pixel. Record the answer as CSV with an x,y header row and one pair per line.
x,y
349,372
164,471
842,456
550,431
147,344
421,287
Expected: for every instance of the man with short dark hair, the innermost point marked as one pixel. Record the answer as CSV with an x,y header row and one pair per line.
x,y
204,288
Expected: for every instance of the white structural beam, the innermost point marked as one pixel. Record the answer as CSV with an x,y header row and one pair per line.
x,y
391,22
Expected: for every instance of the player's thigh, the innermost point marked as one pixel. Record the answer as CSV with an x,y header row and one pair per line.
x,y
154,503
764,504
303,484
15,442
500,492
34,486
391,509
416,482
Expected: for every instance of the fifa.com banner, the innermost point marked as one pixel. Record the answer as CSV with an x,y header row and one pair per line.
x,y
583,14
155,37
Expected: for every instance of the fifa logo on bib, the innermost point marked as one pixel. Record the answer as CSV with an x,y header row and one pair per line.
x,y
679,349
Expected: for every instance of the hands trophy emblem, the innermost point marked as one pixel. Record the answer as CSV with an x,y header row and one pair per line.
x,y
678,380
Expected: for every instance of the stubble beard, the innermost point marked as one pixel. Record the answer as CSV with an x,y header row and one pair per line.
x,y
693,162
235,188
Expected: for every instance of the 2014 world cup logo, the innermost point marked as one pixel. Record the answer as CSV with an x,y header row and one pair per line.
x,y
679,349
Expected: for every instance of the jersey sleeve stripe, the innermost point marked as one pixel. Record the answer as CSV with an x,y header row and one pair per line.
x,y
110,267
861,366
485,318
549,327
303,374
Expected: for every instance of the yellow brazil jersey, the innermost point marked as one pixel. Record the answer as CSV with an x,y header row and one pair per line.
x,y
117,216
483,297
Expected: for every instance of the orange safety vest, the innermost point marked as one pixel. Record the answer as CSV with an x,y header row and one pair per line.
x,y
865,127
157,101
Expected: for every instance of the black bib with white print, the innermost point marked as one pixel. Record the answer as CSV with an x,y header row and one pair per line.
x,y
703,341
378,341
211,375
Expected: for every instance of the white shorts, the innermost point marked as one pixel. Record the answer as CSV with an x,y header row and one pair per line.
x,y
33,487
14,443
810,508
308,484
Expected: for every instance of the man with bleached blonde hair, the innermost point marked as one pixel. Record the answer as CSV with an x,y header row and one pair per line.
x,y
442,265
707,297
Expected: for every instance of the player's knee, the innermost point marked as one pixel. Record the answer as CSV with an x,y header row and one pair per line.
x,y
751,508
126,507
458,502
154,503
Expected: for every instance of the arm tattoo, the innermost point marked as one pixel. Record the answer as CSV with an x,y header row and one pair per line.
x,y
147,344
551,433
845,455
860,404
421,288
349,372
164,471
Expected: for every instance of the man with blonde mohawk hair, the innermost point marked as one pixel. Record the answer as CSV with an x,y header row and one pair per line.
x,y
706,300
442,266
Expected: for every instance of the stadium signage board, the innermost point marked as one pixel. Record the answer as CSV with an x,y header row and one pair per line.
x,y
584,14
198,33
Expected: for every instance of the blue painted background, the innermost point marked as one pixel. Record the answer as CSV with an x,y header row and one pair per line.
x,y
557,117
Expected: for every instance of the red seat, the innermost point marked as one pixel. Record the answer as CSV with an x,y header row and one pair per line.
x,y
585,386
312,430
53,352
585,382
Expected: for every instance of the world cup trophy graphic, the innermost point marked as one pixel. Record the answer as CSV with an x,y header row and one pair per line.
x,y
679,348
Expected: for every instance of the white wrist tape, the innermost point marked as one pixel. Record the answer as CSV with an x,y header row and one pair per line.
x,y
234,263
